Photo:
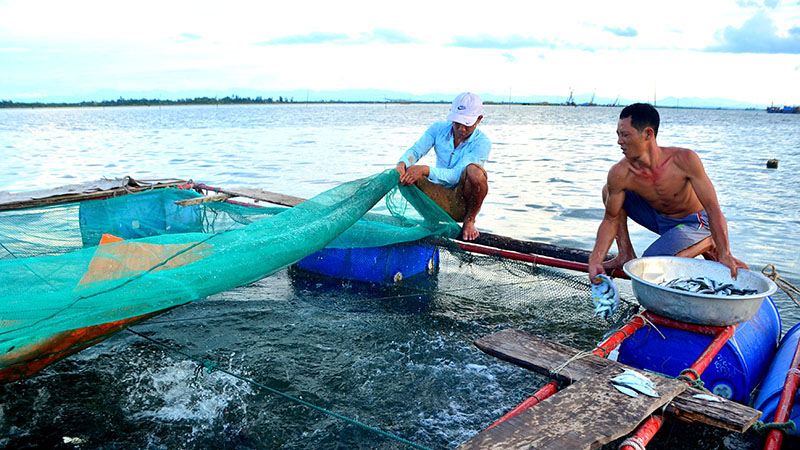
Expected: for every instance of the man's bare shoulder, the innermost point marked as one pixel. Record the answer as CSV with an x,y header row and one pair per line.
x,y
677,151
618,174
682,157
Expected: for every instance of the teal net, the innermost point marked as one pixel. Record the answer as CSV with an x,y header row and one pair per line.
x,y
89,264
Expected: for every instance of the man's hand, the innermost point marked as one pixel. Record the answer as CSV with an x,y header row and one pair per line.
x,y
401,168
412,174
733,263
594,271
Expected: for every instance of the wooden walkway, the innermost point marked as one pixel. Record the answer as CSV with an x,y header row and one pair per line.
x,y
585,415
590,412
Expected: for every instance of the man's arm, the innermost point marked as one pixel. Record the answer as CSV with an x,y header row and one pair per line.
x,y
415,152
607,230
412,174
478,154
708,198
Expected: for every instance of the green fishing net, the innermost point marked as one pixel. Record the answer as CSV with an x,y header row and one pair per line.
x,y
155,255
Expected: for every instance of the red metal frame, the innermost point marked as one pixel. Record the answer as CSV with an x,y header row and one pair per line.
x,y
784,409
536,259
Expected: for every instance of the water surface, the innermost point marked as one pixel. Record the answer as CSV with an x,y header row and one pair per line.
x,y
404,364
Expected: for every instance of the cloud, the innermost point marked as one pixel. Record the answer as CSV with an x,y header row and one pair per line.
x,y
190,36
757,4
315,37
624,32
509,57
757,35
512,42
384,35
392,36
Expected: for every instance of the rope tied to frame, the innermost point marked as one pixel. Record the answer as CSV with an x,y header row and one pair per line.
x,y
786,286
636,442
577,356
695,382
762,428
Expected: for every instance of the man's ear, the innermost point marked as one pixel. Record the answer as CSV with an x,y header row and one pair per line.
x,y
649,133
477,121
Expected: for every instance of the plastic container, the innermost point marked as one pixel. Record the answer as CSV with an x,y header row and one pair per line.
x,y
733,373
381,265
769,393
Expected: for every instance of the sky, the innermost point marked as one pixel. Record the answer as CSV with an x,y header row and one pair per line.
x,y
743,50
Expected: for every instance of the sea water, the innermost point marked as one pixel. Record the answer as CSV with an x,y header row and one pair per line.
x,y
404,365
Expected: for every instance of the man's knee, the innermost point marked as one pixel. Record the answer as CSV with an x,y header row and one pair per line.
x,y
476,175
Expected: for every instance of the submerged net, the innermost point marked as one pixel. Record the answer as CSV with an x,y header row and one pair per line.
x,y
84,264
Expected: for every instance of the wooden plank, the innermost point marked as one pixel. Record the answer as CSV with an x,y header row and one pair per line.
x,y
543,356
258,194
69,198
534,248
199,200
585,415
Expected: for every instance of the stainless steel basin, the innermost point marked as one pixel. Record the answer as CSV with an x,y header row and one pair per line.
x,y
707,309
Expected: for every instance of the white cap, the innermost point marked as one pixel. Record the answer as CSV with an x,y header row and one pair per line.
x,y
465,109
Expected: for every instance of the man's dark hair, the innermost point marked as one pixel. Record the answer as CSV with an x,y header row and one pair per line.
x,y
642,115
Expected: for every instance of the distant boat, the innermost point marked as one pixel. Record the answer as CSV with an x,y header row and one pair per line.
x,y
784,110
570,100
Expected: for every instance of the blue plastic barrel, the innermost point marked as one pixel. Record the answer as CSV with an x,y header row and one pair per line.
x,y
769,393
383,265
733,373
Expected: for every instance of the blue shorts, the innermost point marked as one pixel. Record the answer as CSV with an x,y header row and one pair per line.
x,y
676,234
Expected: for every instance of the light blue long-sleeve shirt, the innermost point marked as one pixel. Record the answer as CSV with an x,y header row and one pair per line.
x,y
450,162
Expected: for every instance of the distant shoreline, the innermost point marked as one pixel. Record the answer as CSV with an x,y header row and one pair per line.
x,y
235,100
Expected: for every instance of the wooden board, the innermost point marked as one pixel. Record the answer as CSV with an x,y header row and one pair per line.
x,y
264,196
534,248
585,415
543,356
199,200
69,198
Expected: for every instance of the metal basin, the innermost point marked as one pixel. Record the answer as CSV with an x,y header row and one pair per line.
x,y
648,273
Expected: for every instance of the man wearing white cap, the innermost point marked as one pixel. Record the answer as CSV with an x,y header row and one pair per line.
x,y
458,183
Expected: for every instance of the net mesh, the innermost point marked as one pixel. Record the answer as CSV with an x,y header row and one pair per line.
x,y
56,278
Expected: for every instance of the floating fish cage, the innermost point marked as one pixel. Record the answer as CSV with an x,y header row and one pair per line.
x,y
736,370
380,265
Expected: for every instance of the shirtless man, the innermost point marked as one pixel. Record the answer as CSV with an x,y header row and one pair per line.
x,y
666,190
458,183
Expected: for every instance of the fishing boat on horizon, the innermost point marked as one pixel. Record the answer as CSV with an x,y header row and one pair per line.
x,y
783,110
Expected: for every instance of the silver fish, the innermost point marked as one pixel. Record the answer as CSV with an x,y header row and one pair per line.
x,y
605,297
710,398
627,391
637,382
705,285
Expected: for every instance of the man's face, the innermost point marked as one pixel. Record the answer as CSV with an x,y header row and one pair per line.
x,y
463,132
630,140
